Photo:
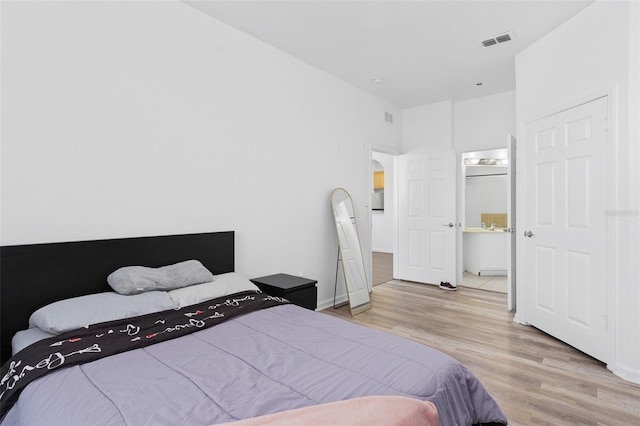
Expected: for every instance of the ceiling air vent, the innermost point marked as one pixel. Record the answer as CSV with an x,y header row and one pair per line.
x,y
503,37
500,38
489,42
388,117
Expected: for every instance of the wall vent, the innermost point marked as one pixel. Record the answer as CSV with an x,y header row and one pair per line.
x,y
500,38
388,117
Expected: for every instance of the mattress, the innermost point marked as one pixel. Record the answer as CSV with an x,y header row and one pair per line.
x,y
259,363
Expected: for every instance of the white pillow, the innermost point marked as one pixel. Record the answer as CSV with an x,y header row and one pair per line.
x,y
70,314
222,285
24,338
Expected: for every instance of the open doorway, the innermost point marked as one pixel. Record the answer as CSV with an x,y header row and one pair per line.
x,y
383,217
485,236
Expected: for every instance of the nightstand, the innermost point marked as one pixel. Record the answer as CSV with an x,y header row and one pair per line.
x,y
298,290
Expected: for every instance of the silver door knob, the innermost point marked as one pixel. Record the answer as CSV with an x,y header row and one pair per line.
x,y
528,234
450,225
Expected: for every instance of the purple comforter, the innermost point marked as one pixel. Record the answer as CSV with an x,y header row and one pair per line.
x,y
264,362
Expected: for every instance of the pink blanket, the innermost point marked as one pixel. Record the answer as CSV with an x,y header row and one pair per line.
x,y
368,410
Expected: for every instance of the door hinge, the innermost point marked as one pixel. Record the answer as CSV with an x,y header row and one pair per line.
x,y
606,124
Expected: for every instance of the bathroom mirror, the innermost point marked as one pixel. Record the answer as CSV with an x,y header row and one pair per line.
x,y
350,252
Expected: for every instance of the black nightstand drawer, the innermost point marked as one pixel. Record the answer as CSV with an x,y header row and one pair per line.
x,y
298,290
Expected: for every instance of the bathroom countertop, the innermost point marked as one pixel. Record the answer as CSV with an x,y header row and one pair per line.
x,y
481,230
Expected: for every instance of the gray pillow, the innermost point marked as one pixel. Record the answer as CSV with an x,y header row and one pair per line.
x,y
139,279
70,314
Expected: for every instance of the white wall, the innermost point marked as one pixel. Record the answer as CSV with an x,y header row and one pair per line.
x,y
484,123
471,125
570,65
382,231
427,127
149,118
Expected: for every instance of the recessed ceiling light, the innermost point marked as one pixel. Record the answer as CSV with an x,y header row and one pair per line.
x,y
378,81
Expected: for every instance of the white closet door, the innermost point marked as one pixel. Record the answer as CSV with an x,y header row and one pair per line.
x,y
565,236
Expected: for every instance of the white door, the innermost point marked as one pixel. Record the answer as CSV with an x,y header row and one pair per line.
x,y
427,231
564,227
511,223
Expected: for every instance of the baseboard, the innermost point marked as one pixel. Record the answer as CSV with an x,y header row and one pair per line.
x,y
630,375
378,250
329,303
518,319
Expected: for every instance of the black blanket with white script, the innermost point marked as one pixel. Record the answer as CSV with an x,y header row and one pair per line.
x,y
108,338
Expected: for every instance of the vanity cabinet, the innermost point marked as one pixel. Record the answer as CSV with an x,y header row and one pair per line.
x,y
485,252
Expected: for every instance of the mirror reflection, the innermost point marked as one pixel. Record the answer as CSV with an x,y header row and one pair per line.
x,y
350,252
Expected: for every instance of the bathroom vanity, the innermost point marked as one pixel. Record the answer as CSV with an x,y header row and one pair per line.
x,y
485,251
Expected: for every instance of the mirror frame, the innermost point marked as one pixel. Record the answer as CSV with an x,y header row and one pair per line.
x,y
350,252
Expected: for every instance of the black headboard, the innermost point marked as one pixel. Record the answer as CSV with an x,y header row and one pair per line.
x,y
35,275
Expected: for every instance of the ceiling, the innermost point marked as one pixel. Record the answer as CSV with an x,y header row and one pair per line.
x,y
425,51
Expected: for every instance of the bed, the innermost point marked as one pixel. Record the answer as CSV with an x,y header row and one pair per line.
x,y
235,355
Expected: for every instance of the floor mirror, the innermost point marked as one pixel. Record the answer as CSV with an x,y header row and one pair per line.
x,y
350,252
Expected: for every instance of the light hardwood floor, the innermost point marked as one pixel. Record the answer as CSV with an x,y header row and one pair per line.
x,y
382,266
536,379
